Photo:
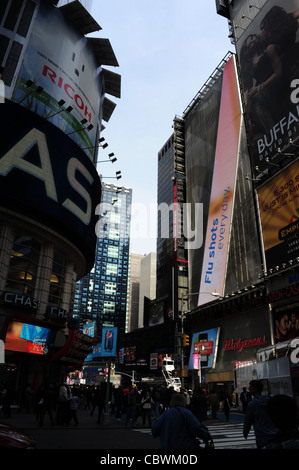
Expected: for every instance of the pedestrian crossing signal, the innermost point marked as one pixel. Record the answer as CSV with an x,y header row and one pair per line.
x,y
186,340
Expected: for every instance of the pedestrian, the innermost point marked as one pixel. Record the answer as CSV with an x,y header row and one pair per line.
x,y
146,406
131,408
177,427
40,405
156,404
283,412
62,409
199,404
118,396
245,398
50,398
213,401
7,401
74,402
227,403
28,398
101,400
258,417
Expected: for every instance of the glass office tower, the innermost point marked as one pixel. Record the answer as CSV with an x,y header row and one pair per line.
x,y
102,295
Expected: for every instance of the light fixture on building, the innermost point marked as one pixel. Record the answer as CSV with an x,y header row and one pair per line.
x,y
60,104
37,90
83,122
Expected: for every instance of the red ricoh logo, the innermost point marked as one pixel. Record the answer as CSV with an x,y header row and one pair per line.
x,y
69,90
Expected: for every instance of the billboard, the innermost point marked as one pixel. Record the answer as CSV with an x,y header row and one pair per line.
x,y
279,213
201,124
107,347
204,348
58,67
223,188
45,176
268,53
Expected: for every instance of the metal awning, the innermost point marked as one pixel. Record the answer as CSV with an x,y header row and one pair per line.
x,y
108,108
112,83
77,14
103,51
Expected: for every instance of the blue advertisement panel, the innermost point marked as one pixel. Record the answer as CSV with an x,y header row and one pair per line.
x,y
109,341
107,347
45,176
207,336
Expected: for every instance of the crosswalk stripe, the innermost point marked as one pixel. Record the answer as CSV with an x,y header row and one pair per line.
x,y
230,436
225,436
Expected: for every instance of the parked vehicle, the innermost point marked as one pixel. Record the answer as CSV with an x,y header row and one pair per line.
x,y
13,438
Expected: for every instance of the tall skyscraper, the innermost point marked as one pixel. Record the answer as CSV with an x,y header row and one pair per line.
x,y
171,254
135,265
102,295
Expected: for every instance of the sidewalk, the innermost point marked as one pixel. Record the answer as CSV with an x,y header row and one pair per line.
x,y
23,420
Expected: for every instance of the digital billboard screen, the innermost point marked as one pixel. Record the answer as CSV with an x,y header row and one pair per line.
x,y
28,338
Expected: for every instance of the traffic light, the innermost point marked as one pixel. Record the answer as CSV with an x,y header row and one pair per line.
x,y
186,340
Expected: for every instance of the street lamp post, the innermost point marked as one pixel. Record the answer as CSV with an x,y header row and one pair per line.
x,y
183,317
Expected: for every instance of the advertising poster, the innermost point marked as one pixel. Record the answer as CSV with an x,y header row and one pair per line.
x,y
286,324
60,61
279,214
201,124
210,340
109,341
223,187
268,53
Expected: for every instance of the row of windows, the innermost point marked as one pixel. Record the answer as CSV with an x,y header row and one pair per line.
x,y
15,17
23,269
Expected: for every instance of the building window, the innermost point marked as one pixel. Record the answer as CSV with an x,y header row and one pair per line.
x,y
57,279
23,266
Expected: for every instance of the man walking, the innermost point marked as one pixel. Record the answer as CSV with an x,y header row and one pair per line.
x,y
257,416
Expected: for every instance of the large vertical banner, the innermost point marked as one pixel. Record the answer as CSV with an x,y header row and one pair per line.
x,y
223,186
279,214
268,54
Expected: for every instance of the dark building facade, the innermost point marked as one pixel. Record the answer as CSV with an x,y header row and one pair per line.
x,y
51,114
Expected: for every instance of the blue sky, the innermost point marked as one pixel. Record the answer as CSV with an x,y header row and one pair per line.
x,y
166,50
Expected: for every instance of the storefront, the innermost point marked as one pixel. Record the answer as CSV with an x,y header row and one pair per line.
x,y
38,351
217,347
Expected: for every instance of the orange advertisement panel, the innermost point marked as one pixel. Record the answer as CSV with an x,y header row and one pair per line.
x,y
223,187
279,213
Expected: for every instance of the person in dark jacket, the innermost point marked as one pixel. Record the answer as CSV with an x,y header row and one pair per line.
x,y
258,417
177,427
283,411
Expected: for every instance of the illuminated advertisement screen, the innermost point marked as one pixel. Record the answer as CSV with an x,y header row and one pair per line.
x,y
60,61
223,187
208,338
279,213
33,339
268,54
